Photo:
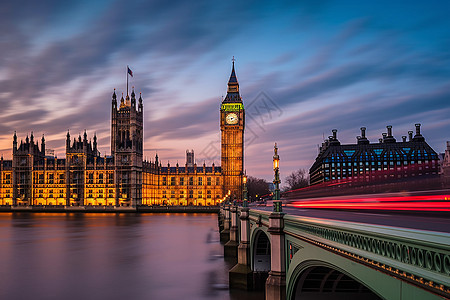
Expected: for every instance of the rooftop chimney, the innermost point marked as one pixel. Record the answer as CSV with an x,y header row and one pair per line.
x,y
404,138
362,139
389,138
389,130
410,135
334,140
418,137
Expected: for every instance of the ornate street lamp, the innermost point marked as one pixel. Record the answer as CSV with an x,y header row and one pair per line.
x,y
276,181
244,180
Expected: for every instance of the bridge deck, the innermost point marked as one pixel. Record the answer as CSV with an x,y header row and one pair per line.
x,y
418,222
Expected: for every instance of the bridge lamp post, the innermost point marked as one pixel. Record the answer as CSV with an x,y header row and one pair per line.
x,y
276,181
244,180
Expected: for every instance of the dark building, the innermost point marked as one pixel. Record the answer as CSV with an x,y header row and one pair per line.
x,y
382,161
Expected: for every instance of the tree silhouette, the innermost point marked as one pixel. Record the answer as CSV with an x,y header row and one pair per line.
x,y
296,180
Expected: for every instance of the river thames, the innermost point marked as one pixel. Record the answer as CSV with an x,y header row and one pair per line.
x,y
113,256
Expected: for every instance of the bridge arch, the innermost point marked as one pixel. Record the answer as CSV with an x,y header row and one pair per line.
x,y
381,284
310,255
260,257
321,280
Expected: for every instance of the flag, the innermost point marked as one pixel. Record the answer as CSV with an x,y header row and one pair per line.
x,y
130,72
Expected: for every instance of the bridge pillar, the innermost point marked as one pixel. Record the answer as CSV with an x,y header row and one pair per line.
x,y
276,282
225,233
230,248
241,275
221,217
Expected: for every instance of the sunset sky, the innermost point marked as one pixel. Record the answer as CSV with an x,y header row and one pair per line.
x,y
304,68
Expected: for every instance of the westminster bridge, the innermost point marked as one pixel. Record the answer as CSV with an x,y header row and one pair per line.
x,y
311,254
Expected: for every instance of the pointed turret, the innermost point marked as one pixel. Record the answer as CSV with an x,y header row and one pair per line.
x,y
122,103
140,107
114,100
43,145
95,142
133,98
67,140
14,142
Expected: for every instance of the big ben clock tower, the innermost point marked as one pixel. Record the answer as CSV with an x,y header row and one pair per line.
x,y
232,124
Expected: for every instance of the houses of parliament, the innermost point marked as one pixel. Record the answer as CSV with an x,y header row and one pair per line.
x,y
124,179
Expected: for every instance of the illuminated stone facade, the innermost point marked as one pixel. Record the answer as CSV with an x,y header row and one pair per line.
x,y
175,185
123,179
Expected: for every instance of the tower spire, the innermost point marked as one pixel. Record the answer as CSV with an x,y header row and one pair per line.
x,y
233,88
233,78
233,85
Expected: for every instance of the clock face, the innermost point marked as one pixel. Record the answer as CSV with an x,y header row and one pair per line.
x,y
232,118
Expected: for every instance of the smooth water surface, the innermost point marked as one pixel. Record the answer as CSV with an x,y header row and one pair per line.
x,y
113,256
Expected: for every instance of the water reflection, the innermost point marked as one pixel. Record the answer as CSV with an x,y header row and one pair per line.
x,y
113,256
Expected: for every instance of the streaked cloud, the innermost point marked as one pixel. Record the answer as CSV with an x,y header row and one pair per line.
x,y
326,64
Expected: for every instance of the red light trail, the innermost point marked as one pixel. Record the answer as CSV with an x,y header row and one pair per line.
x,y
438,203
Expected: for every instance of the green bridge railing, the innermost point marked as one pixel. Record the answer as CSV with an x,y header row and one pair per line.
x,y
419,257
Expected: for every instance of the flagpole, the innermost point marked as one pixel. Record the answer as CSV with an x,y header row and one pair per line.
x,y
127,80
